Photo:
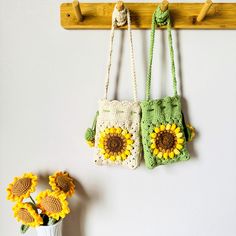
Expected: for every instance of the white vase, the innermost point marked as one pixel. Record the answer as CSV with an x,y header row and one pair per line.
x,y
51,230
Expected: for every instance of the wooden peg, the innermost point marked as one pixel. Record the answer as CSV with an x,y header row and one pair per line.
x,y
77,10
164,5
204,10
120,6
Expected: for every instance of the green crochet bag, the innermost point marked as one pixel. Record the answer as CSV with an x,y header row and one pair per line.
x,y
164,133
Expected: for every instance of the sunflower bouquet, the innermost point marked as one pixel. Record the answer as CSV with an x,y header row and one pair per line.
x,y
49,206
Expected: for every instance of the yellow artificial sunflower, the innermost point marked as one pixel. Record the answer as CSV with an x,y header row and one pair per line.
x,y
61,181
166,141
27,215
91,143
53,204
115,143
21,187
192,132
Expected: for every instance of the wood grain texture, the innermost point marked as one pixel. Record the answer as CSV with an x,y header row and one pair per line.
x,y
204,10
184,15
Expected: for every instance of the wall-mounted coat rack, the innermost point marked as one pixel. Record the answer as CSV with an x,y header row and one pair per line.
x,y
184,15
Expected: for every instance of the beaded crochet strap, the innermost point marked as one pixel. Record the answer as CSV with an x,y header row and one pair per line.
x,y
119,18
160,18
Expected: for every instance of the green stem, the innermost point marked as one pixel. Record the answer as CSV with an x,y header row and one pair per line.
x,y
32,200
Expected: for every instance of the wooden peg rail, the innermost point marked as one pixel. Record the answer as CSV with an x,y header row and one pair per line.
x,y
184,15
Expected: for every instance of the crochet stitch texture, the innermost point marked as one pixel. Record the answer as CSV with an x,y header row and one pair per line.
x,y
117,139
165,111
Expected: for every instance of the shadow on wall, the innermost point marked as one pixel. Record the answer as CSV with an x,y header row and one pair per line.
x,y
184,102
73,223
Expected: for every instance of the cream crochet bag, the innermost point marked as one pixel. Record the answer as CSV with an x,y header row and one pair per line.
x,y
117,128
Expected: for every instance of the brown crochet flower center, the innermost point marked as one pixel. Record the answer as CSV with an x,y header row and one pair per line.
x,y
115,143
165,140
51,204
63,182
25,216
21,186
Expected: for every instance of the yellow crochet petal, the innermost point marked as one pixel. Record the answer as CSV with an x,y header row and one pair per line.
x,y
168,126
129,147
127,136
107,130
160,154
179,135
165,155
173,127
90,143
178,146
156,151
112,158
171,155
177,130
157,130
153,135
112,130
127,152
162,127
102,151
124,132
106,156
123,156
130,141
176,151
180,140
153,146
118,130
101,145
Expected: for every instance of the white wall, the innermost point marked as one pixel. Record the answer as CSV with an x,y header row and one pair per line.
x,y
50,81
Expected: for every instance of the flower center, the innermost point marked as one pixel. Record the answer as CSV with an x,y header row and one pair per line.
x,y
115,144
51,204
21,186
25,216
63,183
165,140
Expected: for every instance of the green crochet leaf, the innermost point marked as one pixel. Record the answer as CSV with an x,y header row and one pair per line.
x,y
24,228
89,134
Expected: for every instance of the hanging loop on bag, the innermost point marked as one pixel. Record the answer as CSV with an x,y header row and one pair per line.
x,y
160,18
119,18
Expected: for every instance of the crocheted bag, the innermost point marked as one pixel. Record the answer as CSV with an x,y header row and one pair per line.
x,y
164,133
117,126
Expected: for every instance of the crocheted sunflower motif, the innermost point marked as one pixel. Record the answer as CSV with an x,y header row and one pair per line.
x,y
166,141
26,214
21,187
61,181
115,144
53,204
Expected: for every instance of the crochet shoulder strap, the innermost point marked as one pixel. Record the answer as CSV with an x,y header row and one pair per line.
x,y
133,74
160,18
